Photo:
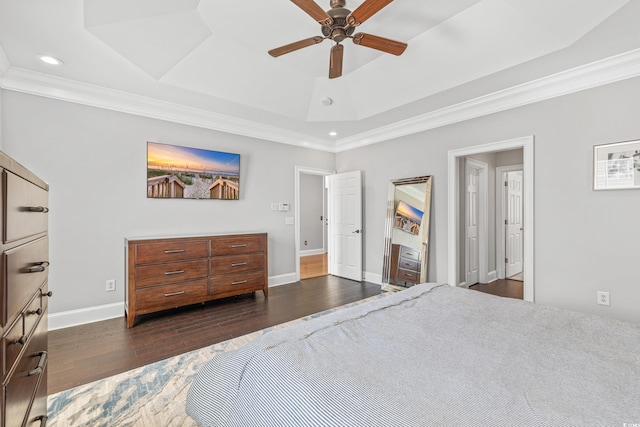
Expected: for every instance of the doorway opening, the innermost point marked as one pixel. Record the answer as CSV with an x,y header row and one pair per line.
x,y
311,222
490,244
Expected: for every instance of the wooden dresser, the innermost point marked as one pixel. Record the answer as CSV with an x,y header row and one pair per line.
x,y
164,273
23,296
405,265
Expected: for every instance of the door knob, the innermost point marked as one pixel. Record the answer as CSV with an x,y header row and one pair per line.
x,y
357,231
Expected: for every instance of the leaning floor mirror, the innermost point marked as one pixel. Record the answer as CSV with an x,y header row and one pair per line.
x,y
407,231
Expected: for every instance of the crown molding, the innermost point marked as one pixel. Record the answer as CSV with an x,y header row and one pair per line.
x,y
599,73
609,70
35,83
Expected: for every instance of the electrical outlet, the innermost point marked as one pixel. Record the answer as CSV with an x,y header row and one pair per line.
x,y
603,298
111,285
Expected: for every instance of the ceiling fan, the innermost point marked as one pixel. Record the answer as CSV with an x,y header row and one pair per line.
x,y
338,24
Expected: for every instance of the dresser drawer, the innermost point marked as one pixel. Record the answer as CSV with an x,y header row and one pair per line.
x,y
170,251
24,380
409,264
26,268
154,275
236,263
409,253
26,208
236,284
13,342
408,275
171,296
237,245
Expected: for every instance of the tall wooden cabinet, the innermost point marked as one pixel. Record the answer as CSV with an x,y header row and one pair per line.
x,y
23,296
164,273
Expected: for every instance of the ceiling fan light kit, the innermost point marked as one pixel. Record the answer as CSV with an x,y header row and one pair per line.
x,y
339,23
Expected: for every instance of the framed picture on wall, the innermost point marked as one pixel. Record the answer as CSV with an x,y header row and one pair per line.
x,y
616,166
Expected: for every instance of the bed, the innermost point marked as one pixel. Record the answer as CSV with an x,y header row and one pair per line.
x,y
432,355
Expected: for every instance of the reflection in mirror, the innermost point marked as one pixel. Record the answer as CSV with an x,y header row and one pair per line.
x,y
407,231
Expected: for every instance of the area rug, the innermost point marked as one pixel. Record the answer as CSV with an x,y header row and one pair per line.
x,y
150,396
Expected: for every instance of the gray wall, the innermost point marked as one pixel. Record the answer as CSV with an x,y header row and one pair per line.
x,y
311,209
95,163
585,240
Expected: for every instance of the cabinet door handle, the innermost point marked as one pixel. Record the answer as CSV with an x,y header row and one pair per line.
x,y
238,264
169,273
38,312
239,283
239,246
47,294
39,267
22,340
174,251
174,294
43,420
40,209
43,361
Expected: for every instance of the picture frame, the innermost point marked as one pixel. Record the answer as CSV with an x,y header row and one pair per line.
x,y
616,166
178,172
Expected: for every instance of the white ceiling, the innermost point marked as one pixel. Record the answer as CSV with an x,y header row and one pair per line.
x,y
205,62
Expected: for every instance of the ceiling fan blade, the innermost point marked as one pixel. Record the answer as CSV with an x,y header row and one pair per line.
x,y
365,11
335,62
295,46
313,10
380,43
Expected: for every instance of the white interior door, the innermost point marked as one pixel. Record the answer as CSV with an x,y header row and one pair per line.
x,y
472,253
345,225
514,229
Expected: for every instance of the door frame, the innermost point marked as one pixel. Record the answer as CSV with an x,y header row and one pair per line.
x,y
453,156
298,171
500,217
483,219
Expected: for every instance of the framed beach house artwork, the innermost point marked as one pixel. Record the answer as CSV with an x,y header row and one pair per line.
x,y
176,172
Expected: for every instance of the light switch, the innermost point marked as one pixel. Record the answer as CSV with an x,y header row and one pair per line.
x,y
284,207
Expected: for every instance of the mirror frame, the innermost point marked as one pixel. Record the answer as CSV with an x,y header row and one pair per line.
x,y
391,206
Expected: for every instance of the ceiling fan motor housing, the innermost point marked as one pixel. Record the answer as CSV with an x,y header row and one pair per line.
x,y
338,30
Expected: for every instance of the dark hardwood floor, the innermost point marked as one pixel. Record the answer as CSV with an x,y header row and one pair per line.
x,y
501,287
87,353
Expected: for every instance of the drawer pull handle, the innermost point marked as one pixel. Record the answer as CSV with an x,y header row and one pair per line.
x,y
238,264
47,294
174,294
39,268
22,340
43,361
174,251
38,312
41,209
408,275
239,283
43,420
239,246
169,273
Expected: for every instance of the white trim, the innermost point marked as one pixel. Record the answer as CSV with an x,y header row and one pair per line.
x,y
527,144
375,278
66,319
299,170
282,279
500,217
492,276
35,83
609,70
310,252
599,73
4,64
483,217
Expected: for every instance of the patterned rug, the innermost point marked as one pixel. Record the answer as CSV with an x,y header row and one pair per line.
x,y
150,396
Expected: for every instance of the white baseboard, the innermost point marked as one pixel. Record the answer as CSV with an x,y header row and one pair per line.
x,y
313,252
282,279
492,276
463,285
373,278
66,319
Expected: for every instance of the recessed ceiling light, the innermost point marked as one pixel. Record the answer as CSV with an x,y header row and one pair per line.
x,y
333,133
50,60
327,101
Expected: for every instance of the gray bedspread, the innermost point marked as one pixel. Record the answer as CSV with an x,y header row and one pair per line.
x,y
432,355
